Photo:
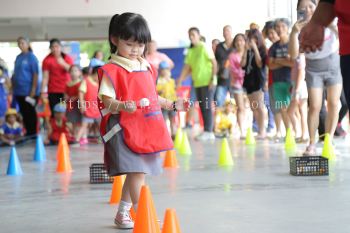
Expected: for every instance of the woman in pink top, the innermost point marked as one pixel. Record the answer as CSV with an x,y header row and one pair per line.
x,y
155,58
237,77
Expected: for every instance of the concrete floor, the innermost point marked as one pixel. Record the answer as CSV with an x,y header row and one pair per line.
x,y
257,195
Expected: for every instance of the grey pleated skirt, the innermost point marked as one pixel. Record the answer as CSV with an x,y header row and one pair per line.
x,y
119,159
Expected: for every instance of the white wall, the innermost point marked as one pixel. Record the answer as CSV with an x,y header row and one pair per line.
x,y
168,19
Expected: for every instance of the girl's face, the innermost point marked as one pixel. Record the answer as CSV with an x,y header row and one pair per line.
x,y
272,35
99,55
240,43
194,37
130,49
309,7
281,29
11,119
23,45
75,73
56,49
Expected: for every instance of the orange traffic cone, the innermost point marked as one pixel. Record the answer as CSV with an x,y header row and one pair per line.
x,y
132,213
117,188
146,217
63,160
170,160
62,144
171,223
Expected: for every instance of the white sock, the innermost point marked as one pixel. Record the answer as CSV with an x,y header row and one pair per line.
x,y
124,206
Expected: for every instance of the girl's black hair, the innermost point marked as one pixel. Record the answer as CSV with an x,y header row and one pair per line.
x,y
26,39
95,53
195,29
283,20
256,34
299,1
128,26
236,37
74,66
57,41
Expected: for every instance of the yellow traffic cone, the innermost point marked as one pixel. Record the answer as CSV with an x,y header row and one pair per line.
x,y
328,150
289,143
225,158
178,138
249,139
185,148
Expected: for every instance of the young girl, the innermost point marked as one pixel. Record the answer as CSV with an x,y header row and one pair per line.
x,y
253,63
237,78
298,104
132,126
11,131
322,72
71,96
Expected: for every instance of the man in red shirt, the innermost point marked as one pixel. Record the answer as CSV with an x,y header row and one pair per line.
x,y
56,67
311,37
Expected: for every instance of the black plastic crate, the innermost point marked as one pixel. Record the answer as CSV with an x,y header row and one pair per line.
x,y
98,174
308,166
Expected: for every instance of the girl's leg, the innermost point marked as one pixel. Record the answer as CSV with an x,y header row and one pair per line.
x,y
82,131
315,102
333,96
136,181
303,118
240,111
258,107
292,114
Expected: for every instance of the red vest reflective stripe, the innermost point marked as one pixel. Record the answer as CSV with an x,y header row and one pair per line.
x,y
144,130
91,100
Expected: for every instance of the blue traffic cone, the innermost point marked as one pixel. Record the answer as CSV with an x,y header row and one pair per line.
x,y
40,153
14,166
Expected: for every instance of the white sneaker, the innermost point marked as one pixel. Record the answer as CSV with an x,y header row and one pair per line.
x,y
205,136
123,220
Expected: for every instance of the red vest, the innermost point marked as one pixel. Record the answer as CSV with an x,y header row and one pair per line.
x,y
91,100
144,130
73,91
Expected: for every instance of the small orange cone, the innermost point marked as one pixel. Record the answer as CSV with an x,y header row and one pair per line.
x,y
146,217
62,144
170,160
63,160
117,188
171,223
132,213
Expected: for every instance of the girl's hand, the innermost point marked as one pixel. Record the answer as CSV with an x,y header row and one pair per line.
x,y
129,106
253,45
182,105
298,26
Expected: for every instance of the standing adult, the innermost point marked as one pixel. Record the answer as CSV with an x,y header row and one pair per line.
x,y
222,52
25,83
155,58
200,62
96,60
55,73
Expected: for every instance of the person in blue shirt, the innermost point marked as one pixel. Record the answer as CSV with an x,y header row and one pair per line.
x,y
11,130
4,87
25,85
96,60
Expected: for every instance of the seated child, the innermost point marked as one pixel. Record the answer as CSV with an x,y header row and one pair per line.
x,y
59,125
225,120
166,89
11,131
5,84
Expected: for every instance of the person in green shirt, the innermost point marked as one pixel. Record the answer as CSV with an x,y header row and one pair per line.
x,y
201,64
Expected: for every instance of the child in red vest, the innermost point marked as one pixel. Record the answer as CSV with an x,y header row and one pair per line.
x,y
59,125
88,105
72,96
132,126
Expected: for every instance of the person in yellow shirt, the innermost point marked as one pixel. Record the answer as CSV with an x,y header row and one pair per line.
x,y
225,120
166,89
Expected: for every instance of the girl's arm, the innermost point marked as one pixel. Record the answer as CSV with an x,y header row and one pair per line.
x,y
82,102
299,79
244,58
284,62
34,85
45,81
180,104
257,56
